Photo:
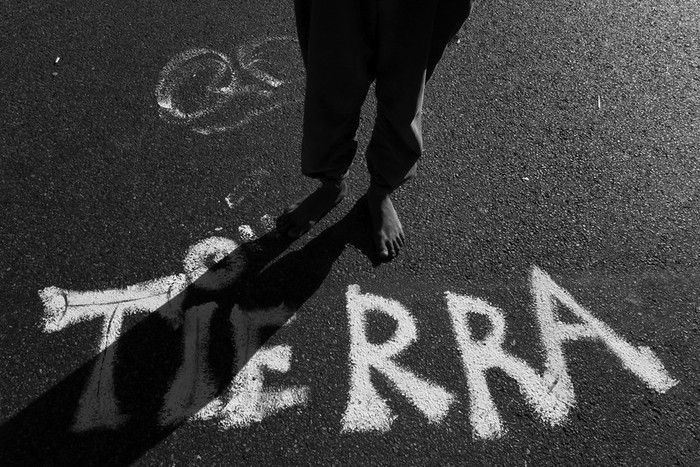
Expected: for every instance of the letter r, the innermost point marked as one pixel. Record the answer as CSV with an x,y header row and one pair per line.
x,y
366,409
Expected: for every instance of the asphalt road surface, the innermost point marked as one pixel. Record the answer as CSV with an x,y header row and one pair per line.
x,y
545,311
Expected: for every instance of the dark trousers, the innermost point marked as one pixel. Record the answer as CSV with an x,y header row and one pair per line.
x,y
348,44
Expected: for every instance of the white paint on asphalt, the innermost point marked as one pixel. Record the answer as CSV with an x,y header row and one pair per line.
x,y
194,386
246,233
247,400
247,328
248,186
551,394
182,99
211,264
550,401
641,361
366,409
267,222
249,60
98,406
185,66
63,308
249,117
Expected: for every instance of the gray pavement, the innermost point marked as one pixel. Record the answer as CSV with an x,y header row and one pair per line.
x,y
546,309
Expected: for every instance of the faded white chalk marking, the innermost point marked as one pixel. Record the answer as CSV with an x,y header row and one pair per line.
x,y
641,361
246,233
250,116
224,86
63,308
193,387
248,324
98,406
246,401
267,222
249,61
66,307
552,394
247,187
210,264
552,403
249,402
366,409
186,65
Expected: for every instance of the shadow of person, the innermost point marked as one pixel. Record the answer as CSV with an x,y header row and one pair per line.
x,y
295,277
180,359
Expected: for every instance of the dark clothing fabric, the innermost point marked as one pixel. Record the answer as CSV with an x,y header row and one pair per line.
x,y
348,44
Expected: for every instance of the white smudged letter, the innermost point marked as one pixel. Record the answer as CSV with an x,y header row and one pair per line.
x,y
246,233
98,406
268,222
641,361
249,401
193,387
183,67
552,402
246,400
366,409
211,264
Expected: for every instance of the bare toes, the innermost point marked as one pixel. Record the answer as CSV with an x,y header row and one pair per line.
x,y
300,217
390,248
382,249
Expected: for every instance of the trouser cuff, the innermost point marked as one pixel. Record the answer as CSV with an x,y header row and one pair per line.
x,y
379,186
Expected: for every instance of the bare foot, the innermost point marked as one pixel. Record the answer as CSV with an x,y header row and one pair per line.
x,y
301,216
387,232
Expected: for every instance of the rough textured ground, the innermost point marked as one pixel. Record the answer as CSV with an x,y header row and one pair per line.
x,y
560,135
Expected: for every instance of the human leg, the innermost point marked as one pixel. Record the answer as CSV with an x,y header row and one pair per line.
x,y
337,56
403,40
449,18
410,42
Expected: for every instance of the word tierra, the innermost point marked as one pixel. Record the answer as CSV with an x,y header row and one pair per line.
x,y
247,400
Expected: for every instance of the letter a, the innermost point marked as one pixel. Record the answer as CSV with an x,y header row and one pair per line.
x,y
639,360
552,404
366,410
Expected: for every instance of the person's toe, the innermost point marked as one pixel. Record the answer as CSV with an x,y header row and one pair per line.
x,y
382,250
390,249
